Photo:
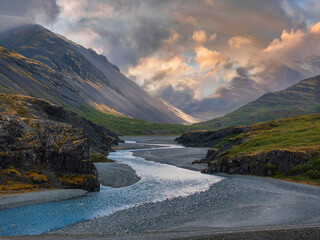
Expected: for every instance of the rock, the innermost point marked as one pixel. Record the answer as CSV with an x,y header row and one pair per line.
x,y
208,138
100,138
262,163
47,145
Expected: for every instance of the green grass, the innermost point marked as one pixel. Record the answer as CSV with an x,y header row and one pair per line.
x,y
128,126
300,133
96,157
300,99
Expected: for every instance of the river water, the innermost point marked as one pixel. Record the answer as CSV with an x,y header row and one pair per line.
x,y
158,182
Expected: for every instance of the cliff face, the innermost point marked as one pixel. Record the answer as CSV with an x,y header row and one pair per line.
x,y
40,149
100,138
210,139
266,163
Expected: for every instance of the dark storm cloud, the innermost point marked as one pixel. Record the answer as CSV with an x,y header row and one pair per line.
x,y
40,11
145,37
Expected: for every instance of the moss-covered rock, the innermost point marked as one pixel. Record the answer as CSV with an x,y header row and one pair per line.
x,y
39,146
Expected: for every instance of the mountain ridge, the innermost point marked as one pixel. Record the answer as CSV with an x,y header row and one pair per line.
x,y
299,99
83,77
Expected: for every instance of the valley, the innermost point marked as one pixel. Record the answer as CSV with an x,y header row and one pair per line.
x,y
159,119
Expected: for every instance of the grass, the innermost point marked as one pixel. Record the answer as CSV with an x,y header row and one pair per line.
x,y
300,133
300,99
36,177
122,125
297,134
96,157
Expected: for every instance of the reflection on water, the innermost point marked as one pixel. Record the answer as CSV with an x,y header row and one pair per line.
x,y
158,182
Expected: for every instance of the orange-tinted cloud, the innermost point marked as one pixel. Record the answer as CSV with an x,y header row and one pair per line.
x,y
199,36
238,41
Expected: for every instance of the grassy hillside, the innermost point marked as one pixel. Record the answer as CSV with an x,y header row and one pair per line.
x,y
128,126
302,98
299,134
18,105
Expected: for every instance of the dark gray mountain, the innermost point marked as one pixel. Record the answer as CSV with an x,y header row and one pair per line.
x,y
65,73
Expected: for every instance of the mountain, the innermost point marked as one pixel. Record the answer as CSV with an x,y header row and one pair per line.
x,y
37,62
299,99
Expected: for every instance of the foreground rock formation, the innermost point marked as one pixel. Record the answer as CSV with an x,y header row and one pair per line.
x,y
100,138
266,163
44,153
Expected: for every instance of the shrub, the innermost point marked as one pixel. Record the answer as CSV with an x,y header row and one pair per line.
x,y
270,169
97,157
36,177
13,173
310,169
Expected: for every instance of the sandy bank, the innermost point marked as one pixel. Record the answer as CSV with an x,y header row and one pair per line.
x,y
25,199
116,175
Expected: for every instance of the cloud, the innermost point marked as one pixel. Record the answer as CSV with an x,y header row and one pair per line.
x,y
79,9
43,12
174,37
206,57
199,36
296,49
238,41
213,36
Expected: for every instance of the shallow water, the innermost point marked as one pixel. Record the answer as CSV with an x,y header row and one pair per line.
x,y
158,182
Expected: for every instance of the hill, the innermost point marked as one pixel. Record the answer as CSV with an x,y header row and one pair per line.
x,y
299,99
22,107
37,62
283,148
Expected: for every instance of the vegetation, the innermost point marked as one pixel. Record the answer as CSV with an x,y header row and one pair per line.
x,y
310,169
11,187
300,99
300,133
74,179
96,157
36,177
14,180
128,126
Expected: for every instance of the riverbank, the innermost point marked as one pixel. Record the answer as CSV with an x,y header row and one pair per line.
x,y
111,174
179,157
116,175
238,207
237,202
31,198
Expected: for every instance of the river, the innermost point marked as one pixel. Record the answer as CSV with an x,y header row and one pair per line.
x,y
158,182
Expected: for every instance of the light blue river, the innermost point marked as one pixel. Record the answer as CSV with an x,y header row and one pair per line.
x,y
158,182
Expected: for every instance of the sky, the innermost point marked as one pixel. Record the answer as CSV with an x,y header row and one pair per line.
x,y
206,57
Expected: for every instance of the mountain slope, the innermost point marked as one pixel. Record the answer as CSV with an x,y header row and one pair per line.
x,y
22,107
299,99
76,76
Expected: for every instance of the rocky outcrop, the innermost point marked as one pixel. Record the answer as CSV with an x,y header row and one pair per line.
x,y
100,138
47,147
266,163
208,138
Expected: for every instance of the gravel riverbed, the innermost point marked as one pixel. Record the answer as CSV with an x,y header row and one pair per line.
x,y
235,202
238,207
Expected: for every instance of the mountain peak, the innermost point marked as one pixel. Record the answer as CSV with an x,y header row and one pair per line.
x,y
76,77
